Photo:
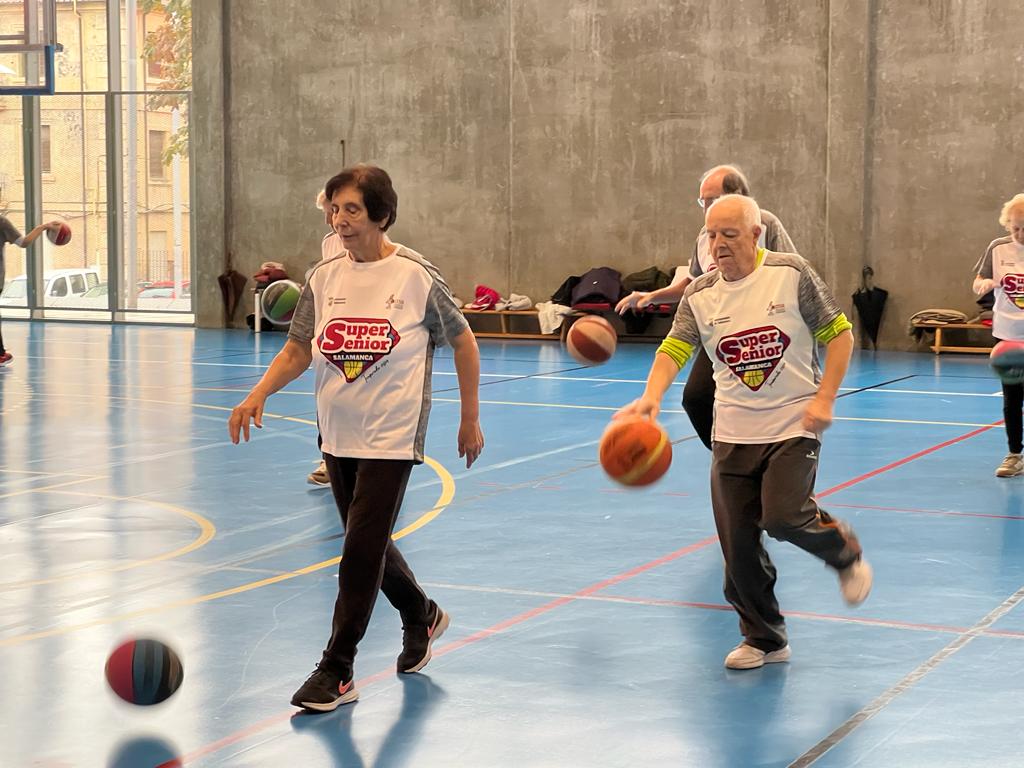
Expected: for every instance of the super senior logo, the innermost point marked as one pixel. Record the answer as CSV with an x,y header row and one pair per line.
x,y
1013,287
355,344
753,355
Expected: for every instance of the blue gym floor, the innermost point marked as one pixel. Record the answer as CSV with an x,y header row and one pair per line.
x,y
588,623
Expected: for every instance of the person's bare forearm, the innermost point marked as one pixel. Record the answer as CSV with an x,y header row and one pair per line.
x,y
290,363
670,294
837,361
663,372
467,368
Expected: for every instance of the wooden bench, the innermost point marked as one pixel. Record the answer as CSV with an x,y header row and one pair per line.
x,y
939,347
507,318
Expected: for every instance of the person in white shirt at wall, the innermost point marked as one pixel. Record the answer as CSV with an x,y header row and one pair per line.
x,y
760,316
1002,269
369,320
330,246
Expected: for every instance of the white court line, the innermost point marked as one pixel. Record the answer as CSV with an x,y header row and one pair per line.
x,y
884,699
680,410
911,421
509,463
513,376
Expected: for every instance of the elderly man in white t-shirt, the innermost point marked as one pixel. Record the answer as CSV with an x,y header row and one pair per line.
x,y
699,392
760,316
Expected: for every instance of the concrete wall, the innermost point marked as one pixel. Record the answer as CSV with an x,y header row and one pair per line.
x,y
531,140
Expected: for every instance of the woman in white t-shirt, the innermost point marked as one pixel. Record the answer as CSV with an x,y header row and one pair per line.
x,y
1002,269
368,319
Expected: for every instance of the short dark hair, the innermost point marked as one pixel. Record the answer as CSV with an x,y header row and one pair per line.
x,y
374,185
733,182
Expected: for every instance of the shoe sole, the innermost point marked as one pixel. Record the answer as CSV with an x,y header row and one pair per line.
x,y
317,483
1004,473
442,625
775,657
313,706
860,598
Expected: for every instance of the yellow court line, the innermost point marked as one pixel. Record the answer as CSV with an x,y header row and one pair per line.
x,y
12,494
207,531
447,494
51,474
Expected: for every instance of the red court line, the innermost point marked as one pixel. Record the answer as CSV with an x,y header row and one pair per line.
x,y
1003,632
262,725
951,513
585,592
534,612
908,459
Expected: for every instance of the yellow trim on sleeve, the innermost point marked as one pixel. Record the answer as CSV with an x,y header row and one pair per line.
x,y
678,350
833,329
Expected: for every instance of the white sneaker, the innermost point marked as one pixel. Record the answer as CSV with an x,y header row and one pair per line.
x,y
745,656
318,476
1012,466
855,581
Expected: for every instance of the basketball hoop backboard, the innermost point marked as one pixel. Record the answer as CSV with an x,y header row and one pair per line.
x,y
28,44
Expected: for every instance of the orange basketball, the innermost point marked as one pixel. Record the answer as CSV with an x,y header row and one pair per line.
x,y
635,451
591,340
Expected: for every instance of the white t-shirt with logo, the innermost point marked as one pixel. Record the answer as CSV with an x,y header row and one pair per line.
x,y
373,327
1003,262
760,333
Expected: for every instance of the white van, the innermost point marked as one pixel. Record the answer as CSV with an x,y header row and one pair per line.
x,y
57,285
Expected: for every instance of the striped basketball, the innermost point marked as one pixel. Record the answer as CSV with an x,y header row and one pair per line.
x,y
279,300
1007,360
635,451
144,671
591,340
61,236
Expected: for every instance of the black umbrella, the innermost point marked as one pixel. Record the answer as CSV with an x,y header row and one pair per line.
x,y
231,285
870,302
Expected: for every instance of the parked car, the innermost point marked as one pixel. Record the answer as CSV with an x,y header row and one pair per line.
x,y
60,287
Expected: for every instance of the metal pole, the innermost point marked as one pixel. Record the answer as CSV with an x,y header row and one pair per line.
x,y
176,206
131,161
114,121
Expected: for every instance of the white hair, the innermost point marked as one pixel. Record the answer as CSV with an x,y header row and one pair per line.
x,y
1012,206
751,211
321,199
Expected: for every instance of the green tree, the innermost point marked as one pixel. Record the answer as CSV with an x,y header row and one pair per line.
x,y
170,46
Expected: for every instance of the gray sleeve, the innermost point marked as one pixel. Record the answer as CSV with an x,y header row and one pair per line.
x,y
684,325
443,317
303,325
984,266
818,305
695,261
776,238
8,232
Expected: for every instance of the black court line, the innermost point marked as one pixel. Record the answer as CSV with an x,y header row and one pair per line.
x,y
812,755
876,386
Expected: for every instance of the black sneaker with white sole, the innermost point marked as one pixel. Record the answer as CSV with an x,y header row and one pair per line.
x,y
325,691
418,638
